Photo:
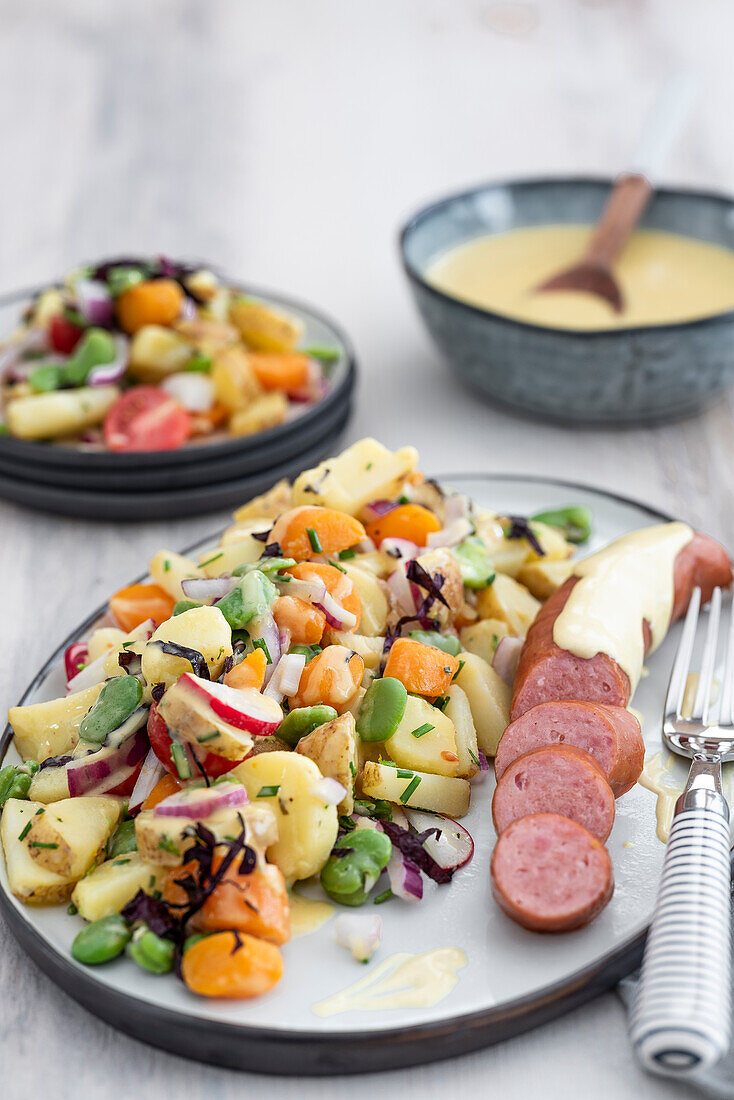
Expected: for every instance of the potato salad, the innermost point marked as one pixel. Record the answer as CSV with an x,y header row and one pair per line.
x,y
313,699
145,355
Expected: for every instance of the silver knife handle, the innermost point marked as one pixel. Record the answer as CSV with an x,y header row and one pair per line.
x,y
681,1017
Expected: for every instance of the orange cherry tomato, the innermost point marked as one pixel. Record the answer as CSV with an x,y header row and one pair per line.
x,y
304,622
332,677
132,606
310,530
423,669
407,521
231,964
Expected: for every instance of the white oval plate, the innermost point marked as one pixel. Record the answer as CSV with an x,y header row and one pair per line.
x,y
514,979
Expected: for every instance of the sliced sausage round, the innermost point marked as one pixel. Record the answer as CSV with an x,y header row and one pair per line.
x,y
549,874
548,672
611,735
557,779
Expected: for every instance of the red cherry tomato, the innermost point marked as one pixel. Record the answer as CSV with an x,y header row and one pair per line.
x,y
160,742
63,335
146,419
126,787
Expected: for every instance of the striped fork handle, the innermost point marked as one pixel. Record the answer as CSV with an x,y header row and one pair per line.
x,y
681,1017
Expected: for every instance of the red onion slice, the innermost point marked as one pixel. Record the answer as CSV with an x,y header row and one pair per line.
x,y
207,588
329,790
376,509
94,673
406,881
102,771
453,848
33,339
150,773
202,802
360,933
400,548
337,616
107,373
507,657
401,592
94,301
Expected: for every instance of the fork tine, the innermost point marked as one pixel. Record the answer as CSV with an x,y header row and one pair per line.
x,y
682,662
725,709
708,660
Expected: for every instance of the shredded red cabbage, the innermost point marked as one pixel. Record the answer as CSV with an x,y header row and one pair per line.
x,y
520,529
195,659
411,846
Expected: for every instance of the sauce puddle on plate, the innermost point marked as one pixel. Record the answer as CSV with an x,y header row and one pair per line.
x,y
307,914
401,981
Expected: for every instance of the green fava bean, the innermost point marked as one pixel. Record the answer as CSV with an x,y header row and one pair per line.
x,y
382,709
102,940
475,564
303,720
308,651
251,597
15,780
447,643
151,952
184,605
122,840
95,348
574,522
349,877
114,704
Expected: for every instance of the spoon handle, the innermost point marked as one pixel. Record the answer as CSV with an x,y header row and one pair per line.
x,y
681,1018
627,199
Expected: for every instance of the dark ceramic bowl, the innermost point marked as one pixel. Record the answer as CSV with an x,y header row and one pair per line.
x,y
624,376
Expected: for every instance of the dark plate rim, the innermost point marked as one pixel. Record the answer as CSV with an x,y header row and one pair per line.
x,y
48,453
416,277
261,1049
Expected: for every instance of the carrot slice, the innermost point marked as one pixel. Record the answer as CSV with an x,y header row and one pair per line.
x,y
249,673
231,964
304,622
133,605
154,302
288,371
338,585
310,530
407,521
423,669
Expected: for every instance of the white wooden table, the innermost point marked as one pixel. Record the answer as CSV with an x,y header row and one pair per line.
x,y
287,141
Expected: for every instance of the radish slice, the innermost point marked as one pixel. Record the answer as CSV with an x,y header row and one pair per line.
x,y
507,657
102,771
360,933
202,802
243,708
94,301
453,848
406,881
330,791
74,656
151,771
207,588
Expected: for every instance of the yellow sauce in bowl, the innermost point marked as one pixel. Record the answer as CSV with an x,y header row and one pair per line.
x,y
665,278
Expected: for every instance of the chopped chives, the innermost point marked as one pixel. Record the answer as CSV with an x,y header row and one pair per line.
x,y
209,561
207,737
422,730
404,773
339,567
26,830
41,844
410,789
259,643
461,665
345,555
168,845
183,767
268,792
167,565
313,538
474,758
326,355
71,909
384,896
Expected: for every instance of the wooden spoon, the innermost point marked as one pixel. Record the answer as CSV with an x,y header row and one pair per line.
x,y
627,200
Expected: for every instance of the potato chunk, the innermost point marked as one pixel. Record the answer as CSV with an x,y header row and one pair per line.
x,y
111,885
333,749
433,749
307,827
542,578
168,569
50,729
439,793
202,628
489,699
156,351
483,637
373,621
161,840
510,602
365,471
61,412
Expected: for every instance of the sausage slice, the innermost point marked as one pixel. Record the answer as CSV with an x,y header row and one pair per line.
x,y
558,779
611,735
549,874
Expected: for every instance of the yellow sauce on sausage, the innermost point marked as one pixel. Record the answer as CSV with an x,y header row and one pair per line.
x,y
629,581
401,981
664,277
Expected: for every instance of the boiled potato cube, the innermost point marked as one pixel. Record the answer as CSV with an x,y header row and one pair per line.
x,y
467,749
369,649
49,785
102,640
50,729
438,793
227,558
483,637
374,601
168,569
49,304
266,412
489,698
162,840
202,628
109,887
206,335
203,284
365,471
81,833
555,547
67,837
266,507
307,827
433,750
333,749
510,602
264,328
156,351
61,412
234,380
542,577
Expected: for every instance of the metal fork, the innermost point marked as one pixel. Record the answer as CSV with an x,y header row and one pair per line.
x,y
681,1017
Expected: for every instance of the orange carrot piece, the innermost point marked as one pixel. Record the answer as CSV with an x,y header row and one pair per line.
x,y
304,622
153,302
407,521
338,585
166,785
231,964
332,677
422,669
310,530
287,371
249,673
132,606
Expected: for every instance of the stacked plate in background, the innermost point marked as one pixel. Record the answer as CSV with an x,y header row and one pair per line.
x,y
92,483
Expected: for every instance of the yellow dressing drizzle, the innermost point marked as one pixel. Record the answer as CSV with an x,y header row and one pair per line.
x,y
656,770
307,915
401,981
626,582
